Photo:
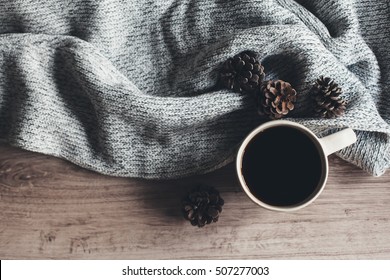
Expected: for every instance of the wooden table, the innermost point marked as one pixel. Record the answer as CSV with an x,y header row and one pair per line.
x,y
52,209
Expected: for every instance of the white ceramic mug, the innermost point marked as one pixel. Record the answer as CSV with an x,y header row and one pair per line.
x,y
323,147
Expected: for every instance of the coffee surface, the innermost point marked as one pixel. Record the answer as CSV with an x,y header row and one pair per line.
x,y
282,166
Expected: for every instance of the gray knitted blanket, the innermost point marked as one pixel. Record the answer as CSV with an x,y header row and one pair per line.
x,y
128,88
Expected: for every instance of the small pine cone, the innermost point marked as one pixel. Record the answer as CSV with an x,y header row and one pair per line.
x,y
202,206
276,99
242,73
329,102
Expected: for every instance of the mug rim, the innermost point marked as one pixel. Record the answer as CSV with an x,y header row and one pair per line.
x,y
324,161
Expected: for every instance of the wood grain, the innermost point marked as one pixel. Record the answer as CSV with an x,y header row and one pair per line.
x,y
52,209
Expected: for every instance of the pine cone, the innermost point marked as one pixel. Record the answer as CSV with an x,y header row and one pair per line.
x,y
329,102
202,206
242,73
276,99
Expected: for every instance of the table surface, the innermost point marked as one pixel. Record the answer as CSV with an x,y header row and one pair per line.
x,y
52,209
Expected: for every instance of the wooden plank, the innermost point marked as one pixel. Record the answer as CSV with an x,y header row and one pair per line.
x,y
52,209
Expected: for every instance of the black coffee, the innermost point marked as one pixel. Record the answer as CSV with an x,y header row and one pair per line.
x,y
282,166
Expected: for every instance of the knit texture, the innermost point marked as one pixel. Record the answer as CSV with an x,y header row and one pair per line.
x,y
128,88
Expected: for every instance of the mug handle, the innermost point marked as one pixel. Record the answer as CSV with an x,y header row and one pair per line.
x,y
337,141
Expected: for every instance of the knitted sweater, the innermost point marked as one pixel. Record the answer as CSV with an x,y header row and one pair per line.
x,y
128,88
